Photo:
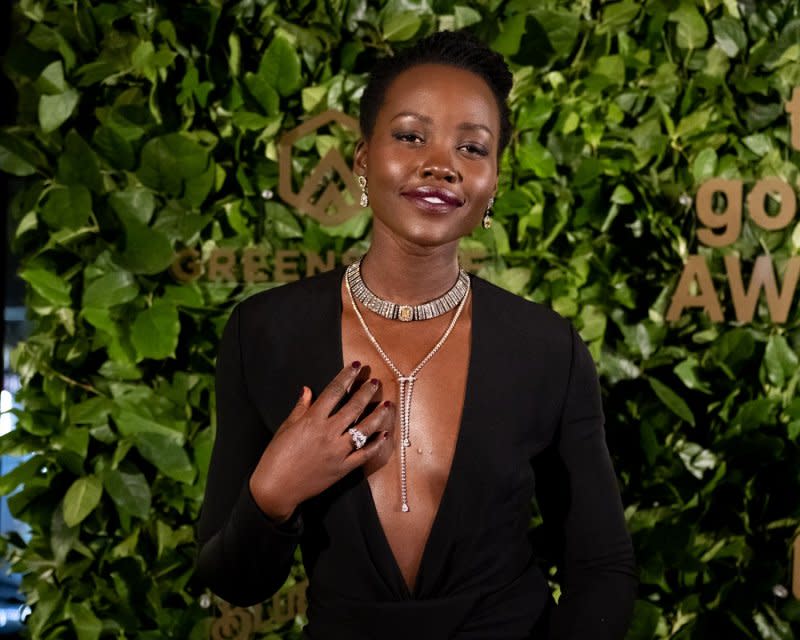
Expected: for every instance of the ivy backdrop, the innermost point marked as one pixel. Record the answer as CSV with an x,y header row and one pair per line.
x,y
144,127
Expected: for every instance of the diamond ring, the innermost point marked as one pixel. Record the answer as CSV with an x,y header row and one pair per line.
x,y
359,439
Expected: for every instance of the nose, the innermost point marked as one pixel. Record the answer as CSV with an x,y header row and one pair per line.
x,y
438,164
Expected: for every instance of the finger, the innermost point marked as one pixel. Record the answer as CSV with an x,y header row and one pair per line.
x,y
375,447
336,389
303,402
355,406
380,421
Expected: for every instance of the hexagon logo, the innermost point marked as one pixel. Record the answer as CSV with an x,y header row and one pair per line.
x,y
330,193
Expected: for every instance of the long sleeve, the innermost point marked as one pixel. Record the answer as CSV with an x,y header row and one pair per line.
x,y
582,510
244,556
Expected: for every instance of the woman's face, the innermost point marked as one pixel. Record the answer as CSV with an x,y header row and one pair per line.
x,y
431,162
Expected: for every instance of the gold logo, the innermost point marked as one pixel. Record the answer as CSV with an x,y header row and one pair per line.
x,y
330,194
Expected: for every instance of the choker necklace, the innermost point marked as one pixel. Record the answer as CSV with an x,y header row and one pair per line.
x,y
406,383
406,312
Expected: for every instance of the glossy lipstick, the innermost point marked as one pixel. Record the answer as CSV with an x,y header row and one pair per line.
x,y
436,199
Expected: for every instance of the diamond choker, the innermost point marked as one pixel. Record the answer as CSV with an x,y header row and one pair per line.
x,y
405,312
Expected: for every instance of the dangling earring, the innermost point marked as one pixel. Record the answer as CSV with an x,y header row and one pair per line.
x,y
487,217
362,182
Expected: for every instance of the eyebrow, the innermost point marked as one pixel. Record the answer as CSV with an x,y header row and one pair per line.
x,y
464,126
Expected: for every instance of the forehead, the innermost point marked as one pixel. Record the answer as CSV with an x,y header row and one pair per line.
x,y
442,92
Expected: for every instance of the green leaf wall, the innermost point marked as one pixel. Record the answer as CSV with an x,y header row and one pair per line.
x,y
144,128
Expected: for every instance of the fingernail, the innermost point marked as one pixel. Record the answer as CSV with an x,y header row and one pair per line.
x,y
375,382
356,364
387,404
385,435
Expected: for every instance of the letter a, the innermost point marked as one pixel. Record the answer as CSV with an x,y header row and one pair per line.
x,y
695,270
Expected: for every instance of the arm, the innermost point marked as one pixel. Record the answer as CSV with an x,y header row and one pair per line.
x,y
581,506
244,556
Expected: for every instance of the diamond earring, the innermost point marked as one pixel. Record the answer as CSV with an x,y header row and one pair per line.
x,y
487,217
362,182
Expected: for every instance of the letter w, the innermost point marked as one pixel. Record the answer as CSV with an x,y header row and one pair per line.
x,y
763,277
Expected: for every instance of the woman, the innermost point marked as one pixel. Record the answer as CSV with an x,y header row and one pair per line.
x,y
431,406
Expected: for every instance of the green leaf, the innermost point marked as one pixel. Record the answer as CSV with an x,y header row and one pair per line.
x,y
260,88
692,30
168,456
51,80
280,66
536,157
730,36
81,499
91,411
56,110
704,165
11,163
644,622
20,474
129,491
284,224
78,164
511,31
110,289
49,285
249,121
687,372
135,203
465,16
131,424
780,360
694,123
87,625
62,537
672,400
147,250
401,26
621,195
561,28
618,16
67,207
155,331
169,160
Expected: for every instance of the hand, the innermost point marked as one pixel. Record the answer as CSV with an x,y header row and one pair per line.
x,y
312,449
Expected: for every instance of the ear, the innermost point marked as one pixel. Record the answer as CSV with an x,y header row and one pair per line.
x,y
360,157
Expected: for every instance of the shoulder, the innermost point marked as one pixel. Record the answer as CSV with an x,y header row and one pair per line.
x,y
316,295
519,318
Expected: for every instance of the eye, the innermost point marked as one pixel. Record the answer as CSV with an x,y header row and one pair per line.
x,y
475,149
405,136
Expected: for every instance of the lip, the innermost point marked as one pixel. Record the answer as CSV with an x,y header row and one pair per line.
x,y
433,198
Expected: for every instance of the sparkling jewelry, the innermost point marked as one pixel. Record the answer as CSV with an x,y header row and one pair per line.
x,y
406,385
406,312
487,217
362,182
359,439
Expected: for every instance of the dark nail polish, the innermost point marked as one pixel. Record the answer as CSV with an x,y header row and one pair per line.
x,y
387,404
375,382
356,364
385,435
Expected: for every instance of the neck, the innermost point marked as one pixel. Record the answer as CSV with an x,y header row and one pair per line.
x,y
407,274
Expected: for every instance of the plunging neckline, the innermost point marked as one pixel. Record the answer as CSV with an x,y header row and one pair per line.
x,y
364,486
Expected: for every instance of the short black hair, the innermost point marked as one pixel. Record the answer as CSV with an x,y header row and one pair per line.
x,y
454,48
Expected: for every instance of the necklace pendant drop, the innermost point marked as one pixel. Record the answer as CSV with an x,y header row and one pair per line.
x,y
405,382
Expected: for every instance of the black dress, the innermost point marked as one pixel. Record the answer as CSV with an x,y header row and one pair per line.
x,y
532,424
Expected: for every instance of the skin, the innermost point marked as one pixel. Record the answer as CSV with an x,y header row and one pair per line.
x,y
438,128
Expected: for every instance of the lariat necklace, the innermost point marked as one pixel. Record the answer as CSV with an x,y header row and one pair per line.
x,y
405,382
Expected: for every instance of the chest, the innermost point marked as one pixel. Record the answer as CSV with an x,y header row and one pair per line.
x,y
435,400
